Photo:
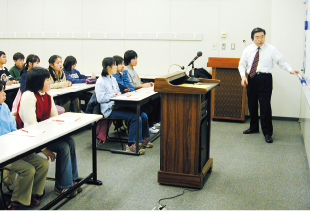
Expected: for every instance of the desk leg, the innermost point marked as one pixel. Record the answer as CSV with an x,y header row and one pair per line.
x,y
137,128
94,181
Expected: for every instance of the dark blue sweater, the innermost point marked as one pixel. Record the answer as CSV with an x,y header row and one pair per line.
x,y
123,81
75,76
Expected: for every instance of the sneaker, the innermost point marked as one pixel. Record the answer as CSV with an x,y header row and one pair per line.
x,y
132,148
153,130
61,191
79,190
13,205
149,145
157,124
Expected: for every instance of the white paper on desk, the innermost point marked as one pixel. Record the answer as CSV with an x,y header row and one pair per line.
x,y
15,84
127,97
68,119
28,133
73,87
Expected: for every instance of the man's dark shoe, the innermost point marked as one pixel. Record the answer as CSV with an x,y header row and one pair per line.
x,y
268,139
249,131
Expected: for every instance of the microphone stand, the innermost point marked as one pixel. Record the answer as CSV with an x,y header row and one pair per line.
x,y
192,79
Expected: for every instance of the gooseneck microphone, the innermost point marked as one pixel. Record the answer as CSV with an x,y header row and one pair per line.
x,y
199,54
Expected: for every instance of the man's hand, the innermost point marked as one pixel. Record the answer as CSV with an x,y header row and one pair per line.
x,y
126,90
49,154
294,72
244,81
15,82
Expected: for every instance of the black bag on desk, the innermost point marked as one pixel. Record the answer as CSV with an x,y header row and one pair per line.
x,y
201,73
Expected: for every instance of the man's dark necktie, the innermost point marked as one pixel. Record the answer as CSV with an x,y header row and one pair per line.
x,y
254,65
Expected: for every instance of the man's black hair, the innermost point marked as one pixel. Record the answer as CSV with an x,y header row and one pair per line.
x,y
257,30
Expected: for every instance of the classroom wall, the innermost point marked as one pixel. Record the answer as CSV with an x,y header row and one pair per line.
x,y
282,19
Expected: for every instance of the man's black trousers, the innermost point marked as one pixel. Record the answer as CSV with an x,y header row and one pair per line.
x,y
259,90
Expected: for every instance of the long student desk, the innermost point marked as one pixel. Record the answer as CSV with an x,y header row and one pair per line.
x,y
135,100
74,88
14,147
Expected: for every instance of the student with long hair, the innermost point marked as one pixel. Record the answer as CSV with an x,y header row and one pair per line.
x,y
37,105
58,80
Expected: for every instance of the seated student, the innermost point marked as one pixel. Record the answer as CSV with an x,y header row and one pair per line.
x,y
75,76
31,170
8,79
31,61
19,60
37,105
58,80
130,60
121,76
107,88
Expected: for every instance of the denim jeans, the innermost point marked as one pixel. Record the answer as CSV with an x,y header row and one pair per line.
x,y
130,117
66,163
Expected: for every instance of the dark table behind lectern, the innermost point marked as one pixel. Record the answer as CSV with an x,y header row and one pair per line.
x,y
185,130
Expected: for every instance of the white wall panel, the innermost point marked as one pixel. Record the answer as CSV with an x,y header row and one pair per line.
x,y
103,16
287,35
4,16
147,16
63,16
25,16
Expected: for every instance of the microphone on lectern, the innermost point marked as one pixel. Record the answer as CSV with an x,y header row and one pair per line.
x,y
199,54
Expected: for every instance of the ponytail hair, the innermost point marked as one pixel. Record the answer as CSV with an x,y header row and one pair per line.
x,y
69,62
32,59
107,62
52,60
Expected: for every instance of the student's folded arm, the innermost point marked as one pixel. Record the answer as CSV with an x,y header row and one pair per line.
x,y
57,85
27,109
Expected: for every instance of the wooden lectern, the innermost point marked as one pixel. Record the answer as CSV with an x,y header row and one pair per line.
x,y
228,101
185,130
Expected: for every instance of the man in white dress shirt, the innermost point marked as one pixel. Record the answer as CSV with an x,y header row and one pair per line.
x,y
255,67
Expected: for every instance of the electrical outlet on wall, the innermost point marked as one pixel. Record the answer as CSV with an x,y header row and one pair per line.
x,y
223,46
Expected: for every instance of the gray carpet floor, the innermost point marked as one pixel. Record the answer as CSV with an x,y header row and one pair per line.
x,y
247,174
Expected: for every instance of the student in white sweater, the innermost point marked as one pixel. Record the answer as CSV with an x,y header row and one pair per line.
x,y
37,105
